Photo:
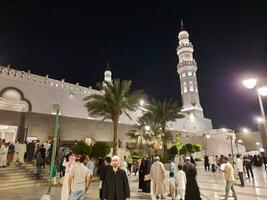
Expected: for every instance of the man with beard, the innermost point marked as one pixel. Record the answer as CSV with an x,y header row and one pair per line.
x,y
116,185
192,189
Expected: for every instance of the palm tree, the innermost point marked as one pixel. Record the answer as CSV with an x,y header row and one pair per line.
x,y
114,100
162,112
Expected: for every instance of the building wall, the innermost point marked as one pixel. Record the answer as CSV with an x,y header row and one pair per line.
x,y
42,126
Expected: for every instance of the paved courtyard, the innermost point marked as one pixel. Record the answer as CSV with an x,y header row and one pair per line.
x,y
211,187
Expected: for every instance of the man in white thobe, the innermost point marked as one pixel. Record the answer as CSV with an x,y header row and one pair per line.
x,y
157,173
21,152
3,152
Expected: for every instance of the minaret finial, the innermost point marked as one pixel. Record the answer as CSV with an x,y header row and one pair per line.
x,y
182,28
107,66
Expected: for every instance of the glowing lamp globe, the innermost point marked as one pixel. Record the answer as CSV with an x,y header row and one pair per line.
x,y
250,83
263,91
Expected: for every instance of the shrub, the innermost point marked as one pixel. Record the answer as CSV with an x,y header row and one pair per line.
x,y
173,150
197,147
81,148
100,150
198,159
190,148
183,150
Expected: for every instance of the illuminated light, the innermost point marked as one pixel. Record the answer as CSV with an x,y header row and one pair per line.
x,y
259,120
224,129
208,136
239,141
142,102
257,143
147,128
250,83
245,130
71,95
263,91
261,150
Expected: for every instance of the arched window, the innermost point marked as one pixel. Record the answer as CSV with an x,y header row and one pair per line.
x,y
191,86
185,87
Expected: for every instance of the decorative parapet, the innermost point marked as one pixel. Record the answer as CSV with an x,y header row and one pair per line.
x,y
186,63
45,81
185,45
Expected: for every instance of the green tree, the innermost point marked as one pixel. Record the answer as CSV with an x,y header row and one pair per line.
x,y
114,100
162,112
100,150
174,150
178,141
81,148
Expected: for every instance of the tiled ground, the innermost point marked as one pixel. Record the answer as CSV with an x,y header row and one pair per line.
x,y
211,187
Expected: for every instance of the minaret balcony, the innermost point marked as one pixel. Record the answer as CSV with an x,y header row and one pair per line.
x,y
186,63
185,45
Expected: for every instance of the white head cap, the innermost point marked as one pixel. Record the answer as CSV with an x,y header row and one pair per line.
x,y
188,158
115,158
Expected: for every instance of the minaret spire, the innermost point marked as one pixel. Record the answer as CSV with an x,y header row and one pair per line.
x,y
107,66
182,28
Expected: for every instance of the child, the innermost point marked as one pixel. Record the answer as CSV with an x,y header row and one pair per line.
x,y
181,181
171,184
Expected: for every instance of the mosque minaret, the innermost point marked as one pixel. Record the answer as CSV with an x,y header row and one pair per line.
x,y
187,68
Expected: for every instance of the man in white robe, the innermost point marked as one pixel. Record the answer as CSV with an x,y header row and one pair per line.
x,y
21,152
157,173
3,152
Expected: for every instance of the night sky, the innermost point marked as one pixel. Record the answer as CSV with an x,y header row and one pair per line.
x,y
74,41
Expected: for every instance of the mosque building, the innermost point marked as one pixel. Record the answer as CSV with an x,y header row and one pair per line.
x,y
27,104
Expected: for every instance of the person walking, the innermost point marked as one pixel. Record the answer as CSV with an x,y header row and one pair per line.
x,y
206,163
180,180
102,175
228,171
248,164
69,163
192,189
172,185
3,152
79,180
116,185
157,174
10,155
240,169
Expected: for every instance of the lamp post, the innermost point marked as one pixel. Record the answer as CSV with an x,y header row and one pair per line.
x,y
251,83
56,111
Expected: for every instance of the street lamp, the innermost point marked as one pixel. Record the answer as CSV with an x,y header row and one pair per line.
x,y
239,141
142,102
261,91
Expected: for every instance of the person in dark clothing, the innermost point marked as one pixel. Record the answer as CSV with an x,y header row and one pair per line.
x,y
30,151
142,174
192,190
102,171
206,163
146,183
192,160
116,185
39,164
265,162
10,155
248,164
42,151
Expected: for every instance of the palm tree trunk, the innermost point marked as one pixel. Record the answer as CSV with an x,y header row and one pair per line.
x,y
163,128
115,134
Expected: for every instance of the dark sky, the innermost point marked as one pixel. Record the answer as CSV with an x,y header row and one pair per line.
x,y
75,40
